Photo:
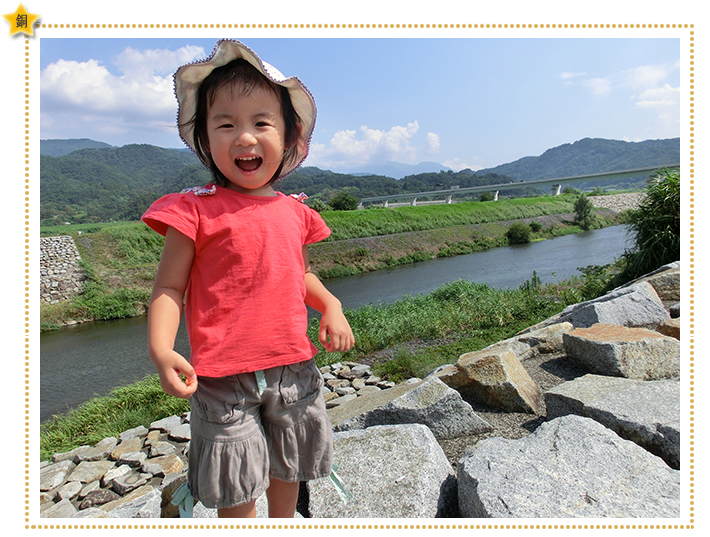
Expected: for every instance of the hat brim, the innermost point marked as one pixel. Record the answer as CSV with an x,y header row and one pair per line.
x,y
189,77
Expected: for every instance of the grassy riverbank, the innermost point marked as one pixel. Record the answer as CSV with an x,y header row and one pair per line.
x,y
407,338
121,258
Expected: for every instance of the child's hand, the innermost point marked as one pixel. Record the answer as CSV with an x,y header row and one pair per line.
x,y
170,369
335,332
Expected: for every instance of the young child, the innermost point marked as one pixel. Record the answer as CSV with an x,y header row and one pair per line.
x,y
237,251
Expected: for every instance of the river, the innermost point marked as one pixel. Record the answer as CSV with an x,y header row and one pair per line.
x,y
88,360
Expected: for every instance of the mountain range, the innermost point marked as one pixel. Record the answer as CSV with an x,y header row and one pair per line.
x,y
83,181
591,155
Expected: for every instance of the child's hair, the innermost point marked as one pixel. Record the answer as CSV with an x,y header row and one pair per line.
x,y
240,76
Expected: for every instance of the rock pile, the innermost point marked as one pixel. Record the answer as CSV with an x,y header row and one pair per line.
x,y
344,382
605,441
118,477
618,202
61,277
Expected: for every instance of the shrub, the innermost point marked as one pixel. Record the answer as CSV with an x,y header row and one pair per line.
x,y
518,233
344,202
584,211
486,196
535,226
656,226
320,206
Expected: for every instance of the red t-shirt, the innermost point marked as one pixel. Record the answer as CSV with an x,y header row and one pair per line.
x,y
244,305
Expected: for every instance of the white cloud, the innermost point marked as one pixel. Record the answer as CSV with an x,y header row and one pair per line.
x,y
659,97
353,149
646,88
457,165
648,75
156,61
664,102
568,75
598,86
86,99
434,143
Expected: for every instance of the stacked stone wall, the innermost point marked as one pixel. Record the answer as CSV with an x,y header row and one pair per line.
x,y
61,277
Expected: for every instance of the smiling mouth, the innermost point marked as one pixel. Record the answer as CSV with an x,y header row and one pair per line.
x,y
248,164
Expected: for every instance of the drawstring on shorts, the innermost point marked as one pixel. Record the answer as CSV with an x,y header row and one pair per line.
x,y
184,501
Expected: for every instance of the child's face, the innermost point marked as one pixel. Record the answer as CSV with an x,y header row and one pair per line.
x,y
246,138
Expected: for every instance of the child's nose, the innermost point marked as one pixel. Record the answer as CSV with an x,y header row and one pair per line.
x,y
245,137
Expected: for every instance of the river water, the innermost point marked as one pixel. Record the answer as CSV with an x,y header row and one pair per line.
x,y
88,360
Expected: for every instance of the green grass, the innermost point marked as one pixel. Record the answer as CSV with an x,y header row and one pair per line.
x,y
456,308
356,224
74,230
124,408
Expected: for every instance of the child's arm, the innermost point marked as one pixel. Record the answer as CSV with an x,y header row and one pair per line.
x,y
335,333
164,314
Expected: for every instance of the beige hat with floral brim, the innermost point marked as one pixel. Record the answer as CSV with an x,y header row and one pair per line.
x,y
189,77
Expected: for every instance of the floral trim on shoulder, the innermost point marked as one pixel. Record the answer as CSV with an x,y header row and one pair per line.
x,y
207,190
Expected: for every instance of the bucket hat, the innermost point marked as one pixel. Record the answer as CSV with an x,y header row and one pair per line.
x,y
189,77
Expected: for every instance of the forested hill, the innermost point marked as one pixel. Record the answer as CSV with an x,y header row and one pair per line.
x,y
59,148
591,155
119,183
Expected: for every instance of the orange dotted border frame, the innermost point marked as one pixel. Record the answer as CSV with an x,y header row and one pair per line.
x,y
691,459
361,26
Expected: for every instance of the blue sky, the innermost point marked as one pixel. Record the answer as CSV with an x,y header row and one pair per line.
x,y
465,103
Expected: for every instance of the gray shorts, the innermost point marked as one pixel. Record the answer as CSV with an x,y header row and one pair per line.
x,y
240,438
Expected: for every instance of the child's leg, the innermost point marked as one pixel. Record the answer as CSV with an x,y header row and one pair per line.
x,y
247,510
282,497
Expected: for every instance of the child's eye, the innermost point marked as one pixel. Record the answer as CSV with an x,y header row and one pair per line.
x,y
225,126
262,124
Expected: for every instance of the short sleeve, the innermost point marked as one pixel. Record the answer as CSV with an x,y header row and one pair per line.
x,y
317,228
178,211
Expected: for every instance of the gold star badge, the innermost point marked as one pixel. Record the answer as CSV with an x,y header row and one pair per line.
x,y
21,21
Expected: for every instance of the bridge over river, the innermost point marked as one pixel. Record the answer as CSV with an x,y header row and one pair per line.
x,y
555,184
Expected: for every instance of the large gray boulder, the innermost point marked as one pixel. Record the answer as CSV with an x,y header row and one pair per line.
x,y
665,280
645,412
637,305
494,377
536,340
392,471
431,403
619,351
569,467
